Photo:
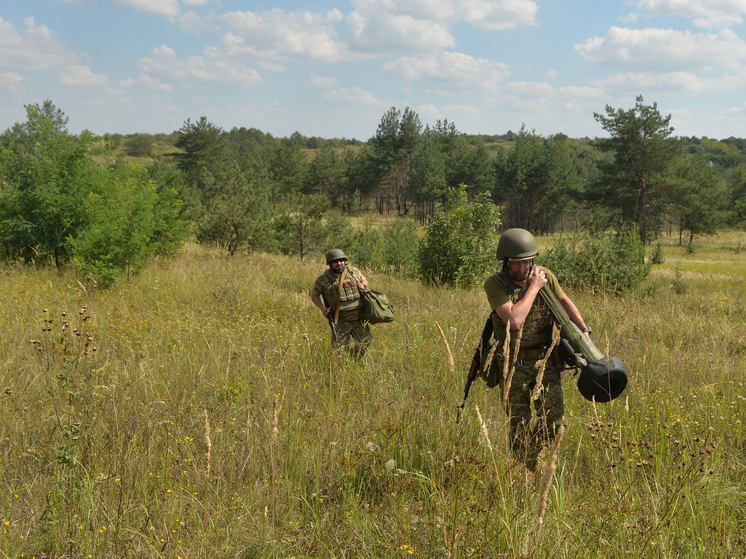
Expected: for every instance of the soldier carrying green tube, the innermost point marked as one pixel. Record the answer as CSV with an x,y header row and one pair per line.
x,y
531,316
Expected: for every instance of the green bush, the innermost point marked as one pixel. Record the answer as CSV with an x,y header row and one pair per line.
x,y
364,247
461,241
400,243
127,223
391,248
610,262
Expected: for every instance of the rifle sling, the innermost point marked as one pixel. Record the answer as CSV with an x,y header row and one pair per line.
x,y
339,295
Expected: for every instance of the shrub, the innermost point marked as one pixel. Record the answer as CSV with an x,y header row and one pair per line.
x,y
610,262
394,247
127,223
461,241
400,244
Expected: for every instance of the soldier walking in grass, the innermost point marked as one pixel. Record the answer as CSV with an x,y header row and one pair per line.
x,y
337,293
518,312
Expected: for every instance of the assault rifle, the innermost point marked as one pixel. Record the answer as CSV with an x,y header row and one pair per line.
x,y
476,364
601,378
330,318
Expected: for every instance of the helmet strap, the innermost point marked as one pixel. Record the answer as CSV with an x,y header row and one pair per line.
x,y
331,267
507,270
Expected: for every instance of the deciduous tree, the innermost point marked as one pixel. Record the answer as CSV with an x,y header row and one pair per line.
x,y
120,233
45,173
461,241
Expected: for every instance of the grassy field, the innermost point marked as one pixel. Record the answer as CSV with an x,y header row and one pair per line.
x,y
198,412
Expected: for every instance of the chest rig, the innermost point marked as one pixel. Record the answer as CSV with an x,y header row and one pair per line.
x,y
537,326
346,299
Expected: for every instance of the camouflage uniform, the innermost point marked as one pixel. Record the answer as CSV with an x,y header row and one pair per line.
x,y
349,325
536,337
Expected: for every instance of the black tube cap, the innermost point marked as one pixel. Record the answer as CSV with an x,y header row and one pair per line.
x,y
603,380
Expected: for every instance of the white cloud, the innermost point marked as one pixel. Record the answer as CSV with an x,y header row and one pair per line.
x,y
663,49
505,14
325,82
11,81
299,34
484,14
161,7
710,14
37,48
235,46
352,97
191,22
81,76
582,92
429,111
376,31
635,82
211,68
448,71
530,91
731,112
732,119
146,83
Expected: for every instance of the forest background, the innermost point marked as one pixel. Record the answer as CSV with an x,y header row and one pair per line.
x,y
196,409
108,204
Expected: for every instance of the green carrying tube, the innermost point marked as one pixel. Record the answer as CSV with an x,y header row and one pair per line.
x,y
601,378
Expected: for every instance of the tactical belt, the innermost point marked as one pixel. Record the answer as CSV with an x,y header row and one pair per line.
x,y
534,353
528,353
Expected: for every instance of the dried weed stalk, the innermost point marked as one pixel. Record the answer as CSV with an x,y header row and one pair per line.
x,y
506,351
546,478
208,444
486,435
276,409
540,377
448,348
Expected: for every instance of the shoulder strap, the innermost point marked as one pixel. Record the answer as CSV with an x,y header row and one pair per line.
x,y
339,294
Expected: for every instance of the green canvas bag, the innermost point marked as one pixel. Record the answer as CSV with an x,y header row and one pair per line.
x,y
375,307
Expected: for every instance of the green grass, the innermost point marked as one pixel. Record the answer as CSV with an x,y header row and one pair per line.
x,y
104,453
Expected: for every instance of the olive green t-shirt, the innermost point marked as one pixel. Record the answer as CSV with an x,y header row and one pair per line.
x,y
498,295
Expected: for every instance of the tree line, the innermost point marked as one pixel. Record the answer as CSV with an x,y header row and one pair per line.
x,y
70,198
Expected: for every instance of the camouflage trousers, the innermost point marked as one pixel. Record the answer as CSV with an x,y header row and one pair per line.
x,y
527,440
353,330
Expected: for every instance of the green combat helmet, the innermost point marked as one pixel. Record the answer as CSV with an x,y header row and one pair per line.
x,y
335,254
516,244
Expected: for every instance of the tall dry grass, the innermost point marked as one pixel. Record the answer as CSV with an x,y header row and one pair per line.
x,y
198,412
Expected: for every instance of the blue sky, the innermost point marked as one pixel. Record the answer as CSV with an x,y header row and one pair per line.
x,y
332,68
